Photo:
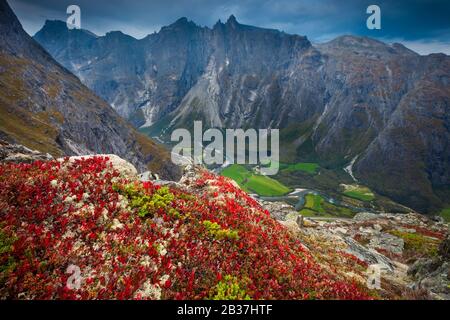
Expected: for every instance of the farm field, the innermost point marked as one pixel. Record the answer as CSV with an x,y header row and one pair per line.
x,y
317,206
255,183
358,192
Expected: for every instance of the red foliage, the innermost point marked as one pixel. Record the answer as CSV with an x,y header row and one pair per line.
x,y
428,232
60,214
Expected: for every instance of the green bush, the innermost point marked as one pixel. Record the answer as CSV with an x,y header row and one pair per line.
x,y
229,289
218,233
148,205
8,263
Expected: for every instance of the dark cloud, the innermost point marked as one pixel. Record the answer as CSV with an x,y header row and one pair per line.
x,y
419,22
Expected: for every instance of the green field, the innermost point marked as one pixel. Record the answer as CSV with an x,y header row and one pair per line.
x,y
236,172
359,192
251,182
445,213
317,206
307,167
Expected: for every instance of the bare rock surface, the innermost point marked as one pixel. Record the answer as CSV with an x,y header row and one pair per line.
x,y
411,250
18,153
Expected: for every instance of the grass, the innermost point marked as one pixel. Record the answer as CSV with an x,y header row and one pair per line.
x,y
359,192
236,172
266,186
314,202
308,167
445,213
317,206
250,182
311,213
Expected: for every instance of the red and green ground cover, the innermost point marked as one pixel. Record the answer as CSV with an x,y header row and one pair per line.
x,y
136,240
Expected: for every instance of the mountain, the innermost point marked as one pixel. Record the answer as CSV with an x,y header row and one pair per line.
x,y
379,109
45,107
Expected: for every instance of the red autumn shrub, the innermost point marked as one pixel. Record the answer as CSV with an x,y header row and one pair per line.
x,y
133,240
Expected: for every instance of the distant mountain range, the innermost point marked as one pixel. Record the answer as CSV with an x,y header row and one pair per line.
x,y
45,107
380,110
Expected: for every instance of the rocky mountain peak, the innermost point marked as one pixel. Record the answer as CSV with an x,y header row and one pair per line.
x,y
55,26
181,24
118,36
232,21
349,45
350,41
58,27
7,16
182,21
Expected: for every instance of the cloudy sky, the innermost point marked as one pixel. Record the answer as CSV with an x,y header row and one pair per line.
x,y
422,25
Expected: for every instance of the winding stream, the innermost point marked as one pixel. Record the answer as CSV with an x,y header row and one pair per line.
x,y
297,199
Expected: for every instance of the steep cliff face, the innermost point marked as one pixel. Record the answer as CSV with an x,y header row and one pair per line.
x,y
218,72
45,107
354,99
143,79
413,149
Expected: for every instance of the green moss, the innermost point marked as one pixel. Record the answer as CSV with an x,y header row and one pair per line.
x,y
216,231
417,243
230,288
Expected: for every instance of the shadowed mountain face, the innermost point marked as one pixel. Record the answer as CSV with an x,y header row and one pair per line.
x,y
382,107
44,107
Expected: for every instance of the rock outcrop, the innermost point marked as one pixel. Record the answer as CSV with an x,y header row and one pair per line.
x,y
411,251
17,153
434,274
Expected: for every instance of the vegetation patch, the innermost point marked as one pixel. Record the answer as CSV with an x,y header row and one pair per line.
x,y
251,182
308,167
317,206
358,192
445,213
7,261
81,213
417,245
148,205
236,172
218,233
230,288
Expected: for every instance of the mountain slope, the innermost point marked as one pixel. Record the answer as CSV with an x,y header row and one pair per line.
x,y
414,148
45,107
200,238
353,98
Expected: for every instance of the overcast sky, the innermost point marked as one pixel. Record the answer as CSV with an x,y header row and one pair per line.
x,y
422,25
